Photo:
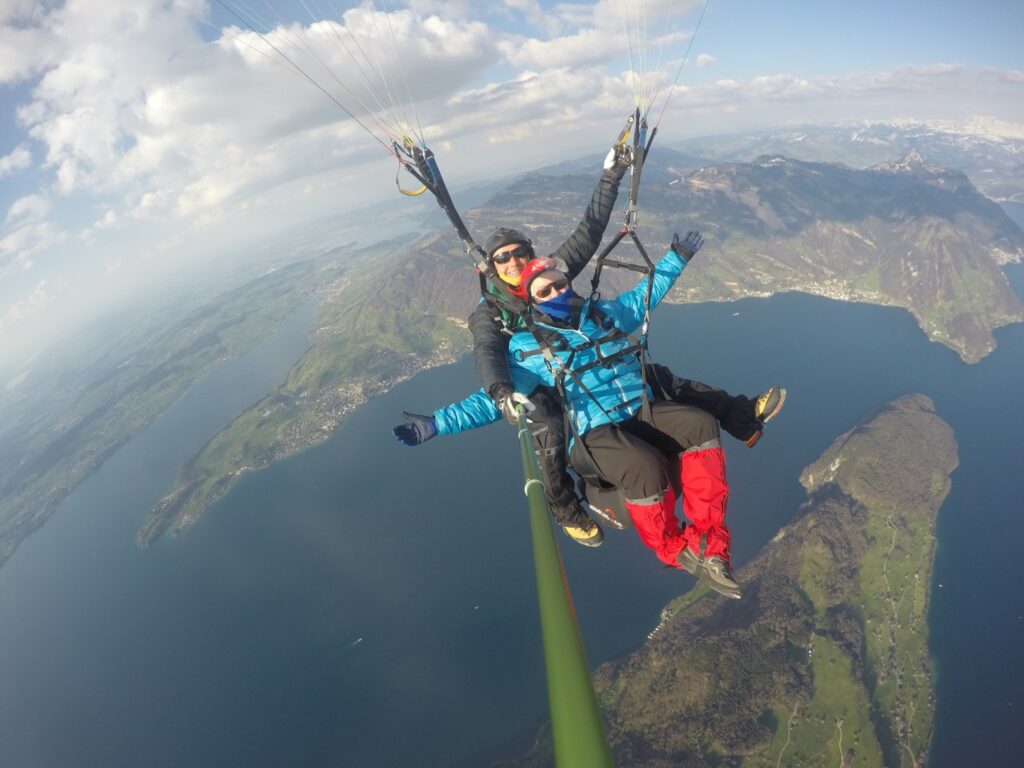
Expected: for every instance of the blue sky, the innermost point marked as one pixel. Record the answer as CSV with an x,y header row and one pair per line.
x,y
141,139
827,37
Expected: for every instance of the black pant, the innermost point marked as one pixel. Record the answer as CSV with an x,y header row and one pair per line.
x,y
735,413
636,455
547,426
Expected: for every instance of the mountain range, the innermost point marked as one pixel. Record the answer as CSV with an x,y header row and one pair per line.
x,y
991,153
905,233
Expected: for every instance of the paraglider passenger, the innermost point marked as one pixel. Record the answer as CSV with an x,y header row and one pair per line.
x,y
622,433
492,324
619,440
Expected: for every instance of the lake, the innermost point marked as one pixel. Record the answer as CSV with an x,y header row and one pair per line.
x,y
368,604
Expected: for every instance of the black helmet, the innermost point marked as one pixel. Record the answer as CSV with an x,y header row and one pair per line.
x,y
503,236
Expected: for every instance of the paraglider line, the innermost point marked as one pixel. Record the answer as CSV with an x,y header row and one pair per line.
x,y
312,81
326,68
683,62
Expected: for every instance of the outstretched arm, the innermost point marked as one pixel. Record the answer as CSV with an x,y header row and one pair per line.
x,y
628,309
477,410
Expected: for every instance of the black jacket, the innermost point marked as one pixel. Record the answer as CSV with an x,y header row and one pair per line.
x,y
491,328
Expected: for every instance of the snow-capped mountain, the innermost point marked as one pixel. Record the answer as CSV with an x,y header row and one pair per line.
x,y
989,151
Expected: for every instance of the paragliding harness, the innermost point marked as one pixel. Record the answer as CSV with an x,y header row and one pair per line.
x,y
603,498
549,342
641,146
421,164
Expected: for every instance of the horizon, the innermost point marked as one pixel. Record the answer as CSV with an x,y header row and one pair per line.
x,y
137,147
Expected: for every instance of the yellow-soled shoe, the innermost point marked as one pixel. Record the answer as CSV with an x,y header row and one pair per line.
x,y
769,403
585,532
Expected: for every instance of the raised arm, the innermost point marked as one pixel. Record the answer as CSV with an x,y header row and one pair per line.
x,y
628,309
583,243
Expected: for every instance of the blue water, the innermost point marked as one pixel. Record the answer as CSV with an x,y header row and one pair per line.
x,y
1015,211
367,604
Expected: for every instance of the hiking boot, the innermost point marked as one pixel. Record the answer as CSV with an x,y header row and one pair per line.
x,y
689,561
769,403
718,574
766,407
583,531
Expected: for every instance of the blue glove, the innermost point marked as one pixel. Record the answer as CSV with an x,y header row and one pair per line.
x,y
418,430
688,246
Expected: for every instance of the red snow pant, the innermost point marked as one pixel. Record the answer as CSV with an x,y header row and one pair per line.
x,y
636,457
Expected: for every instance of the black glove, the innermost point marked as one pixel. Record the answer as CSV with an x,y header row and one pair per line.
x,y
418,430
619,159
688,246
501,394
508,402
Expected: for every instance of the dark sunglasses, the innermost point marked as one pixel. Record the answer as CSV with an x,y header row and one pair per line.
x,y
522,252
556,287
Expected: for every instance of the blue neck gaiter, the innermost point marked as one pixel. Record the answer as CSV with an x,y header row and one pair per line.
x,y
559,306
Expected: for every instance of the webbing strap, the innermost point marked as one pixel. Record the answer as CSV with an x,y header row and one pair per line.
x,y
422,165
641,144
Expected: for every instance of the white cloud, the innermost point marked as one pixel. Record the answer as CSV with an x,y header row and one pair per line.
x,y
32,207
42,296
538,16
649,30
562,100
163,111
615,15
27,234
932,84
27,44
19,159
158,134
15,10
447,9
179,127
1008,75
588,46
108,219
983,126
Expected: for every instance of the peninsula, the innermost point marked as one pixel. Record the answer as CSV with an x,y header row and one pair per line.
x,y
824,662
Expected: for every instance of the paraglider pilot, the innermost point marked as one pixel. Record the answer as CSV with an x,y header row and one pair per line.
x,y
613,438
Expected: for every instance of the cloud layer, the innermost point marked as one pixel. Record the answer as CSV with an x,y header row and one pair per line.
x,y
145,126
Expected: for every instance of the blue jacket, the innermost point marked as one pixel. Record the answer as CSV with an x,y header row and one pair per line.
x,y
618,389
